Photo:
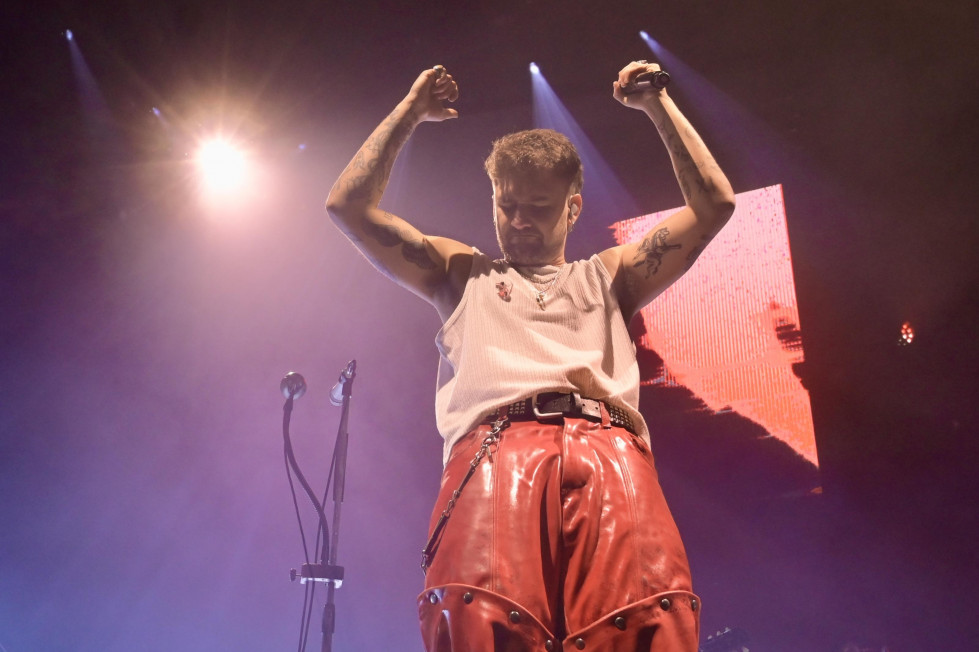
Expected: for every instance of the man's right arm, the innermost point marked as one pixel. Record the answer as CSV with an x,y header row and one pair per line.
x,y
434,268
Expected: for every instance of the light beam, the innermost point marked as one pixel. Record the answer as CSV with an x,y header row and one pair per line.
x,y
606,197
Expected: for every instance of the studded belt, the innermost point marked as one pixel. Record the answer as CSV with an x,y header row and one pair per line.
x,y
554,405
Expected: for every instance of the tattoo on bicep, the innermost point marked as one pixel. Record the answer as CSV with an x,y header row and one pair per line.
x,y
416,253
390,235
652,250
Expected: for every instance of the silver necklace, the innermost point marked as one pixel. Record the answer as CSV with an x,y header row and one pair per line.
x,y
540,293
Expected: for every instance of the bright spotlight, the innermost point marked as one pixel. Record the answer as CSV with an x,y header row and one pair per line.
x,y
650,42
69,35
223,167
534,70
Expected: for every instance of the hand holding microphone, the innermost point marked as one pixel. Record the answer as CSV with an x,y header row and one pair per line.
x,y
652,79
639,77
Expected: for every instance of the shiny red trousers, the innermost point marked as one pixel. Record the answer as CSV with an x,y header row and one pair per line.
x,y
561,540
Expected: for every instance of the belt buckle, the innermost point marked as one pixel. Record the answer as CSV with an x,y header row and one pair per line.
x,y
575,403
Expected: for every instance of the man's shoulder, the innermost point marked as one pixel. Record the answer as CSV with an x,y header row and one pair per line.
x,y
594,265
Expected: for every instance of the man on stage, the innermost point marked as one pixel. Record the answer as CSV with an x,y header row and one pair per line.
x,y
550,531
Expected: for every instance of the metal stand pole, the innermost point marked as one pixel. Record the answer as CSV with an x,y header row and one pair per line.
x,y
339,478
293,386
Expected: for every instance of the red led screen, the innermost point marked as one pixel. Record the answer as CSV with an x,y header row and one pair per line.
x,y
728,330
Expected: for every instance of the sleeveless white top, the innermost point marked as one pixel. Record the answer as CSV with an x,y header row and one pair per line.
x,y
498,346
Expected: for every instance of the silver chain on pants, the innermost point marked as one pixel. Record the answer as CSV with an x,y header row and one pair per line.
x,y
491,438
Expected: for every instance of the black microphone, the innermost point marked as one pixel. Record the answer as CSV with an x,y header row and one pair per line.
x,y
293,385
646,80
346,376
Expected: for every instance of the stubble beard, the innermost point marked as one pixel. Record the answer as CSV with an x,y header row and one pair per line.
x,y
523,251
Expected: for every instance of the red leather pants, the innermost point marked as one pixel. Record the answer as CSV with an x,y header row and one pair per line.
x,y
561,540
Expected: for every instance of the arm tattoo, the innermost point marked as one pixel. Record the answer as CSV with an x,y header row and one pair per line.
x,y
680,152
694,177
367,174
415,253
652,250
387,235
390,235
695,253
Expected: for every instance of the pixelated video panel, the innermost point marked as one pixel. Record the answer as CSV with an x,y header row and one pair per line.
x,y
728,330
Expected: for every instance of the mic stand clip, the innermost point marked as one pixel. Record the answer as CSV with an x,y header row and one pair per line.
x,y
318,573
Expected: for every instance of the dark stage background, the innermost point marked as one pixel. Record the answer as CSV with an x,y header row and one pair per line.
x,y
143,500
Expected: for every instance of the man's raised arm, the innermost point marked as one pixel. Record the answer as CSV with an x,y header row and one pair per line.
x,y
644,269
433,268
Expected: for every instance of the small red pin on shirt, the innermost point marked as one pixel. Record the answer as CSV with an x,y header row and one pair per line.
x,y
503,290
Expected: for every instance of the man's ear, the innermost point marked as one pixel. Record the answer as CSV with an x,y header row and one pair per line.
x,y
574,207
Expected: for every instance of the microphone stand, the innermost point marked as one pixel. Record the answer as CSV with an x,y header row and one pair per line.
x,y
339,477
293,386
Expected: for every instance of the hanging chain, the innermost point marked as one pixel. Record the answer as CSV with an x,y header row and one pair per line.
x,y
540,294
491,438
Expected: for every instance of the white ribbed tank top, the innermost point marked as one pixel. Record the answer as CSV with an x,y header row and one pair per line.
x,y
499,346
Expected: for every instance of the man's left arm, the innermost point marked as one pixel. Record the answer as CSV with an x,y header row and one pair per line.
x,y
641,270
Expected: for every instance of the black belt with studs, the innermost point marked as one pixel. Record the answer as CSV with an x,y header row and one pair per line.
x,y
554,405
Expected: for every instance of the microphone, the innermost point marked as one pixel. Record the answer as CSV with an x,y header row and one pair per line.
x,y
647,80
346,377
293,385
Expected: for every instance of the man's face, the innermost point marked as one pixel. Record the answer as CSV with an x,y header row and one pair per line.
x,y
531,216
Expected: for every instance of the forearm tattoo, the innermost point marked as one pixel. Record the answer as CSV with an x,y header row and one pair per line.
x,y
365,178
694,178
367,174
652,250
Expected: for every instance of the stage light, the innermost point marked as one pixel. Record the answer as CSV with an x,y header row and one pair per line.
x,y
69,35
651,43
223,167
907,334
534,70
156,112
